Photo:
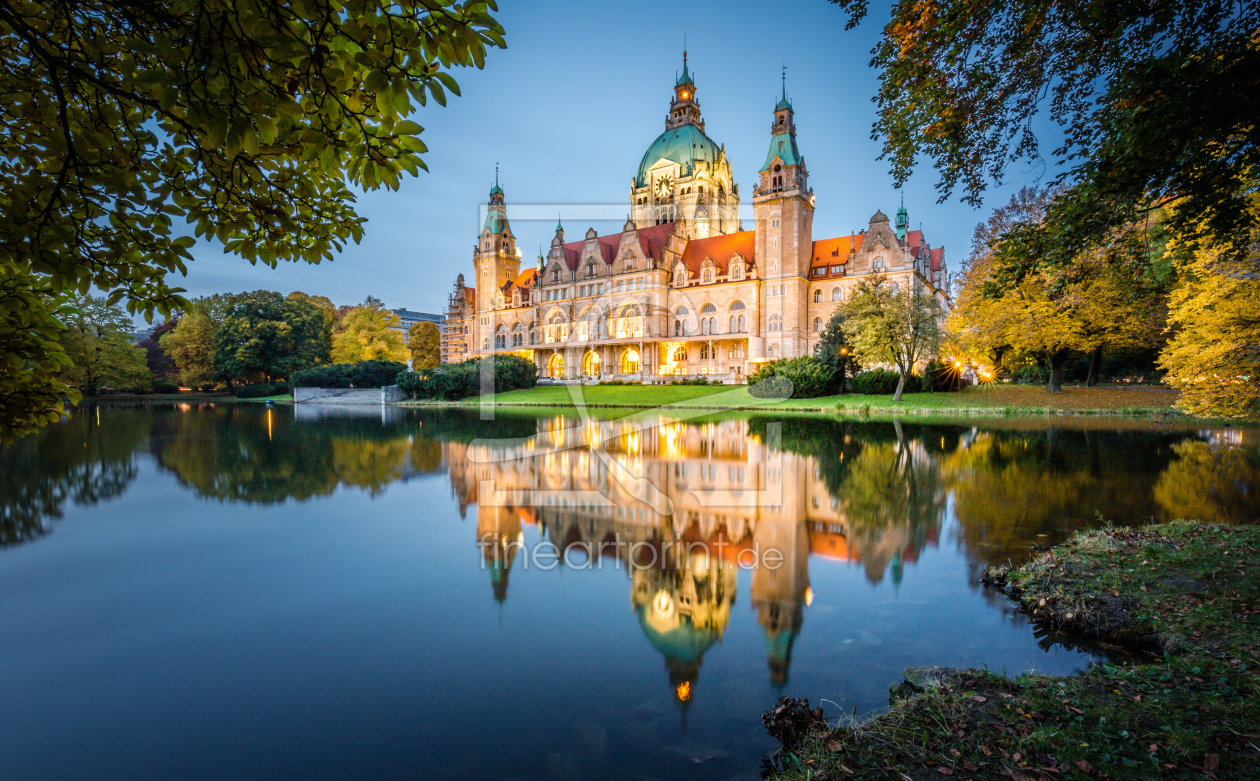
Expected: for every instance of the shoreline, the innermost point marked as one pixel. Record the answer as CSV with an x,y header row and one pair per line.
x,y
1182,599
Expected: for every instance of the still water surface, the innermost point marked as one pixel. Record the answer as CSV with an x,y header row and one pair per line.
x,y
234,592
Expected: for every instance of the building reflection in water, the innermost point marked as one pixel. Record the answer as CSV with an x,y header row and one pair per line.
x,y
731,494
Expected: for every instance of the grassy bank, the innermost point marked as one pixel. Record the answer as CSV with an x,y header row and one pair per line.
x,y
1183,597
982,400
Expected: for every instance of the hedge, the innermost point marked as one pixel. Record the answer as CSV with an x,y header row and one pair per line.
x,y
260,389
364,374
883,382
805,377
451,382
165,386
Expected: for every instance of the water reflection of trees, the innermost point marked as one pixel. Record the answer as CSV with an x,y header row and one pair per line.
x,y
78,460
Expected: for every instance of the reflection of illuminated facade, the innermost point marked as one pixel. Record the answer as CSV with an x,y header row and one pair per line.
x,y
724,487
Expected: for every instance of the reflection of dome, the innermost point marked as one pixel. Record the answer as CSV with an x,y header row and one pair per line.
x,y
674,636
684,145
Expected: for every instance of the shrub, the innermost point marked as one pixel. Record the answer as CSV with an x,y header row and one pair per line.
x,y
808,376
700,380
455,381
883,382
942,377
165,386
1031,375
260,389
208,387
364,374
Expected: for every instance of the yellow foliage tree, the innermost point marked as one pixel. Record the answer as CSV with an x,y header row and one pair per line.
x,y
425,343
1213,357
369,332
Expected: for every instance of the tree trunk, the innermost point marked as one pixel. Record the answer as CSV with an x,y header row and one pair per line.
x,y
1095,366
1056,359
901,385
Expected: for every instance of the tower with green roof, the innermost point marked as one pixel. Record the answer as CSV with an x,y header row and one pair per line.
x,y
903,220
496,258
685,176
783,210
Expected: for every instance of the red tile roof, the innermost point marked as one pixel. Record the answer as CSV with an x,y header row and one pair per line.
x,y
652,240
470,294
913,240
721,249
935,254
523,280
834,252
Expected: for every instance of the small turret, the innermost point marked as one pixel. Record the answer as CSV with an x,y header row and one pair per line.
x,y
903,220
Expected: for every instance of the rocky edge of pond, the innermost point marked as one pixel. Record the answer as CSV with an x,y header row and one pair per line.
x,y
1182,599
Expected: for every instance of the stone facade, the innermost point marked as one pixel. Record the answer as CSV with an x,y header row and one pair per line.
x,y
682,289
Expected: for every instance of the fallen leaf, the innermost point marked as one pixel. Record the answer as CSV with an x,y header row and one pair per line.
x,y
1212,761
985,750
1085,767
1153,748
978,698
845,769
1016,757
944,771
969,765
834,746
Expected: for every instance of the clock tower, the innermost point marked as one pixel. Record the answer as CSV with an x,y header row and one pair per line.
x,y
685,177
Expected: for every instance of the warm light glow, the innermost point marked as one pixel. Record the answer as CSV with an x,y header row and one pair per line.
x,y
268,425
663,604
684,691
809,596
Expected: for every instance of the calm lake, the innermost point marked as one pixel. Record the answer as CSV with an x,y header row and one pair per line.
x,y
235,592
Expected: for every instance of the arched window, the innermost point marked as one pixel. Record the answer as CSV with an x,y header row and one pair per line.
x,y
555,273
485,343
680,354
704,352
741,324
737,270
500,338
774,351
712,325
518,336
776,322
878,264
707,308
590,269
737,351
835,294
817,324
706,276
817,296
704,325
678,328
732,329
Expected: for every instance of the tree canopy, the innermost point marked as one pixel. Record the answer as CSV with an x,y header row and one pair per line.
x,y
253,122
886,324
425,343
369,332
1156,102
98,340
264,334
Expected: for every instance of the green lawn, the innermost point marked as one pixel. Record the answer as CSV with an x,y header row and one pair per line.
x,y
998,398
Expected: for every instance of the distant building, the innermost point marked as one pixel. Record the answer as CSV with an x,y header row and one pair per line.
x,y
410,318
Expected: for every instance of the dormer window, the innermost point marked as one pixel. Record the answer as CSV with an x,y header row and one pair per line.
x,y
878,264
555,273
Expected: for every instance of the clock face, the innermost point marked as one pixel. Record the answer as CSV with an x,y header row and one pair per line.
x,y
664,186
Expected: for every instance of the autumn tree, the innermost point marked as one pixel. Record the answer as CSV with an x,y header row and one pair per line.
x,y
32,358
98,339
252,123
265,335
425,343
369,332
890,324
191,345
1156,104
1104,299
1213,357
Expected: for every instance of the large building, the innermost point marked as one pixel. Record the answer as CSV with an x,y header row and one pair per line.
x,y
682,289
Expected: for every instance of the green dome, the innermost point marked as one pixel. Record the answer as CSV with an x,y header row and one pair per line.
x,y
685,643
683,145
782,104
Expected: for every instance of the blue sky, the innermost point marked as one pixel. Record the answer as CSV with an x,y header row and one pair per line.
x,y
568,111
